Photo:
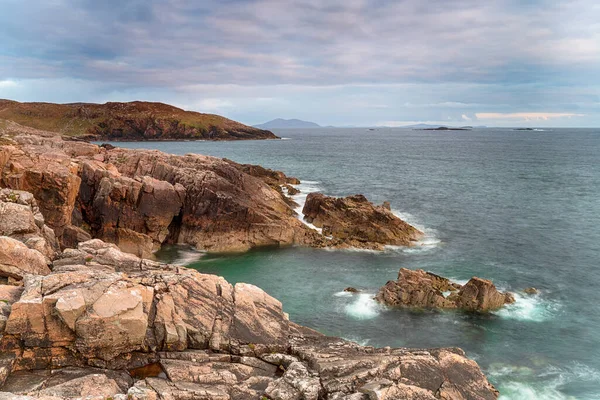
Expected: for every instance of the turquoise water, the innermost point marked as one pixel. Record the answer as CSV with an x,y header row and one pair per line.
x,y
519,207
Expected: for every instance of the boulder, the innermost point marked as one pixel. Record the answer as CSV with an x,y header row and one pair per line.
x,y
427,290
354,221
416,289
481,295
17,260
21,219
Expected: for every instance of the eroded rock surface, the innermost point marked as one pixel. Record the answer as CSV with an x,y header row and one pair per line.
x,y
356,222
426,290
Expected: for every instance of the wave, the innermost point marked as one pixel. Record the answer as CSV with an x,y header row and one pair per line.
x,y
187,256
520,382
529,308
362,342
428,242
343,293
363,307
305,187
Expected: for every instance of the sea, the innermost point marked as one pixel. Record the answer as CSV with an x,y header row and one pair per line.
x,y
521,208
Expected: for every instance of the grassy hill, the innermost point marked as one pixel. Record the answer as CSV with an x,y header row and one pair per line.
x,y
135,120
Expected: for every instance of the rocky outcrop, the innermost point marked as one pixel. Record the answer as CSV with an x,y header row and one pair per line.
x,y
143,199
128,121
357,222
426,290
181,334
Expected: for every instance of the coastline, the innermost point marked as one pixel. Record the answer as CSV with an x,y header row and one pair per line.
x,y
90,161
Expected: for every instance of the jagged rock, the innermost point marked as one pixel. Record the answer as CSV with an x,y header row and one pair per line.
x,y
17,260
183,334
357,222
427,290
20,218
141,199
351,290
481,295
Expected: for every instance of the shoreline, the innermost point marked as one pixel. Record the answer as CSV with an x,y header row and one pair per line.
x,y
117,175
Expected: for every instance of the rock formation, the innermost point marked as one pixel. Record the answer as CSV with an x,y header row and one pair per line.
x,y
426,290
100,323
142,199
357,222
136,120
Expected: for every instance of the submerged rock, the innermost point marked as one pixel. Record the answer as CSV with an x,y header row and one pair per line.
x,y
356,222
531,290
427,290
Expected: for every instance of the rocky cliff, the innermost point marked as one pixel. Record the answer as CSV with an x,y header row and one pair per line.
x,y
136,120
142,199
97,323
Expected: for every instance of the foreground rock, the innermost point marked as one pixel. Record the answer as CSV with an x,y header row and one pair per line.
x,y
106,324
357,222
426,290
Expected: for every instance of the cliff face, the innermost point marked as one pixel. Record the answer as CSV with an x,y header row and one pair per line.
x,y
127,121
98,323
143,199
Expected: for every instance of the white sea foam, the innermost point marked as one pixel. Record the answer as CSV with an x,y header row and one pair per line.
x,y
518,382
529,308
343,293
305,187
428,242
363,307
362,342
187,256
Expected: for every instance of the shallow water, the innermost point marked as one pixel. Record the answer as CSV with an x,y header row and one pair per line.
x,y
519,207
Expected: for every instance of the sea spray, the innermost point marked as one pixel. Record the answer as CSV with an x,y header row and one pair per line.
x,y
363,306
529,308
305,187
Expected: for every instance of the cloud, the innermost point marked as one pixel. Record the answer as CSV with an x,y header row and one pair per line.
x,y
339,60
8,84
525,116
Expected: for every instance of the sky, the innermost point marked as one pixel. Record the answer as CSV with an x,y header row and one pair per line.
x,y
334,62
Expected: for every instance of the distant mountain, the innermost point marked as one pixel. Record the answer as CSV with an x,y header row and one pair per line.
x,y
287,123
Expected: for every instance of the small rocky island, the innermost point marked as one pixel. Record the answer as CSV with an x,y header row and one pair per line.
x,y
422,289
355,222
85,314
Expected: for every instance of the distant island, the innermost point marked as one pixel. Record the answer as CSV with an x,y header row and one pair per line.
x,y
279,123
133,121
446,128
440,127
